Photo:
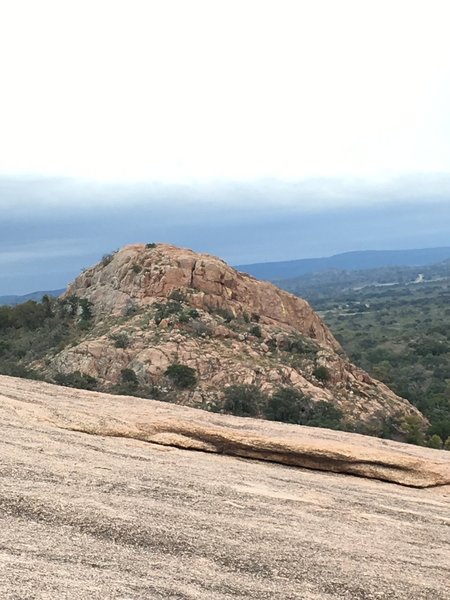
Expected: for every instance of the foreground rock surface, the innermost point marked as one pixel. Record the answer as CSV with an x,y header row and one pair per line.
x,y
183,427
90,517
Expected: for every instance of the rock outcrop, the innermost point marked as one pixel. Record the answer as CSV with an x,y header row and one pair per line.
x,y
157,305
139,276
94,517
189,428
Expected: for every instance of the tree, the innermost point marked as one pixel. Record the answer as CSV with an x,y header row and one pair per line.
x,y
414,431
76,379
325,414
181,376
435,442
129,377
322,373
289,405
244,400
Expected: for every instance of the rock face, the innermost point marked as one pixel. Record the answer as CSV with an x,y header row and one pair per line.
x,y
160,305
138,275
93,516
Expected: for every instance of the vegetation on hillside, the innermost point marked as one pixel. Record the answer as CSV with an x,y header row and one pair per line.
x,y
29,331
399,333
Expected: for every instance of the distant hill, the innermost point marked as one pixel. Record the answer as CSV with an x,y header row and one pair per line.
x,y
37,296
350,261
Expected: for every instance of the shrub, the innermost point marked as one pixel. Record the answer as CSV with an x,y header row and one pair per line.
x,y
128,385
289,405
137,269
414,432
164,310
256,331
131,308
435,442
16,370
226,314
181,376
151,245
107,258
440,426
76,380
28,315
86,309
325,414
301,345
4,347
199,328
272,343
184,317
292,406
178,296
121,340
322,373
244,400
188,314
391,427
70,305
84,325
129,377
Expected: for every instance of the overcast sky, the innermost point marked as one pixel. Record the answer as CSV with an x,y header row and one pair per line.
x,y
254,129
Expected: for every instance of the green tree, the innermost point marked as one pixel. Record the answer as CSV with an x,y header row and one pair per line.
x,y
325,414
121,340
256,331
414,431
129,377
244,400
76,380
289,405
435,442
181,376
322,373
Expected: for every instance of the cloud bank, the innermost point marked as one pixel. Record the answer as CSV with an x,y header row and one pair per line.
x,y
52,228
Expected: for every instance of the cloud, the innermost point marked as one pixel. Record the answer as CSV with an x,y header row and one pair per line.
x,y
167,91
51,229
39,251
54,198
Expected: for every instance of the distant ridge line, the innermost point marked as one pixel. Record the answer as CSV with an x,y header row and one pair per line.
x,y
351,261
12,300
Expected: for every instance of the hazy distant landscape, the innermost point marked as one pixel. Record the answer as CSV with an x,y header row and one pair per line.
x,y
350,261
395,323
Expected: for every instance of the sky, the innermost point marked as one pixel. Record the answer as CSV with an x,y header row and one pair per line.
x,y
255,130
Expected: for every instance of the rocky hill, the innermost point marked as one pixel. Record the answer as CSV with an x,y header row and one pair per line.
x,y
101,498
186,327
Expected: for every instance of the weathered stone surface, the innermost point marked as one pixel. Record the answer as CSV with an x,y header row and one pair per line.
x,y
183,427
93,517
217,285
222,353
